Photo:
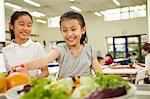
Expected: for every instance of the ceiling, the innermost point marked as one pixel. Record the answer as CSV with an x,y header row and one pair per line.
x,y
58,7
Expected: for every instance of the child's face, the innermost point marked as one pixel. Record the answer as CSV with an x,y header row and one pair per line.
x,y
144,52
22,27
71,31
102,62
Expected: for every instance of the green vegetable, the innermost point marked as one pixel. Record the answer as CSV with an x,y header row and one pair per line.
x,y
43,81
63,88
2,74
41,90
64,85
111,81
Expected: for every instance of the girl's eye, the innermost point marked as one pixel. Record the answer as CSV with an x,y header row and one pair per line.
x,y
64,30
21,24
29,25
73,29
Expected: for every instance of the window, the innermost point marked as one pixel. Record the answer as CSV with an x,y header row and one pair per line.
x,y
120,46
110,44
125,13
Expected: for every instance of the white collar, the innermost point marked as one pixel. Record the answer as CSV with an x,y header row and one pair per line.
x,y
27,43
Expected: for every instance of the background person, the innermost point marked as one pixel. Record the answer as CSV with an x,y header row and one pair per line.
x,y
101,61
108,59
146,52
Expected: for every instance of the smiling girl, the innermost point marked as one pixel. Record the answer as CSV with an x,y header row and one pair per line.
x,y
75,57
23,49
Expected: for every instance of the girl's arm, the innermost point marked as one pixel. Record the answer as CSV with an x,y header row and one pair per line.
x,y
44,73
42,61
44,70
96,66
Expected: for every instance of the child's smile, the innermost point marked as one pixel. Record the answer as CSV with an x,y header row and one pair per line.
x,y
71,31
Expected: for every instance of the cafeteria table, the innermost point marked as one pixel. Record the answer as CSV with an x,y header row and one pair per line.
x,y
127,72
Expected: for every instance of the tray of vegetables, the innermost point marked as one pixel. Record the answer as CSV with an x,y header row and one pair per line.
x,y
99,87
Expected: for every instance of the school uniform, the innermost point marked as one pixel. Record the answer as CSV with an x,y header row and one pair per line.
x,y
15,54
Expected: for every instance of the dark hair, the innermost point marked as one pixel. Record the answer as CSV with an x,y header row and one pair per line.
x,y
134,53
99,58
146,47
109,55
14,17
128,55
79,17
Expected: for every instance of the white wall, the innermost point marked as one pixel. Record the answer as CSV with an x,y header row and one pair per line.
x,y
2,21
97,30
148,11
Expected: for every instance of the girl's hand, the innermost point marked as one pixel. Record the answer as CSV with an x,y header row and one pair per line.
x,y
7,73
21,68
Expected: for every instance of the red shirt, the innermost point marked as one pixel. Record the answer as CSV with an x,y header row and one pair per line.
x,y
108,60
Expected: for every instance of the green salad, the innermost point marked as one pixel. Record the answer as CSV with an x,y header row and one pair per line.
x,y
111,81
76,87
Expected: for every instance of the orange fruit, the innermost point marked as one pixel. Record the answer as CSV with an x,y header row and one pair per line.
x,y
16,78
3,84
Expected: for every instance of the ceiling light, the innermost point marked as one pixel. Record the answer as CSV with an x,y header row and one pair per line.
x,y
41,21
37,14
98,14
72,0
12,5
116,2
75,8
32,3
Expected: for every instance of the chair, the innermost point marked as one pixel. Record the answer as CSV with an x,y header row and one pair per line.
x,y
141,76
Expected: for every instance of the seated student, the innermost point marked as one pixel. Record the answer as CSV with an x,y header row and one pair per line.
x,y
108,59
145,52
129,58
133,57
101,61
